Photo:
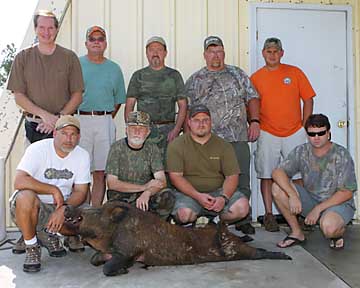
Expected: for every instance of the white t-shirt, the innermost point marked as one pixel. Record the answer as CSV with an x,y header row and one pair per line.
x,y
41,162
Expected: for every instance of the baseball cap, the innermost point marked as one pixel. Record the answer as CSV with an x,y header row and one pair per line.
x,y
138,118
212,40
273,42
67,120
156,39
93,29
200,108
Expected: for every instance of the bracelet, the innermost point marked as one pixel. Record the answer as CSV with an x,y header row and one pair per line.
x,y
225,198
255,120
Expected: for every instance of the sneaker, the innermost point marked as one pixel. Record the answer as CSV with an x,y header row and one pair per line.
x,y
270,223
52,243
19,247
32,258
74,244
245,228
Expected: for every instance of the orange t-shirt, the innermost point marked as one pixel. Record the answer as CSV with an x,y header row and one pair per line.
x,y
280,92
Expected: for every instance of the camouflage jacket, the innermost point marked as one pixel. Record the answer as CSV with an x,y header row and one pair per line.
x,y
226,94
157,92
323,176
134,166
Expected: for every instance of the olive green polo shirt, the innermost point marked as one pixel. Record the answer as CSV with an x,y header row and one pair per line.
x,y
205,166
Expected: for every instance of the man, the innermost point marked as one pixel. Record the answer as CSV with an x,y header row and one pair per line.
x,y
156,89
52,174
204,170
327,170
104,93
228,93
280,87
46,80
135,171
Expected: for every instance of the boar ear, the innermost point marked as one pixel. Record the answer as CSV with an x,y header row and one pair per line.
x,y
118,214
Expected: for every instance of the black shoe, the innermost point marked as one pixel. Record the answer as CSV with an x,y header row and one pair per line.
x,y
246,228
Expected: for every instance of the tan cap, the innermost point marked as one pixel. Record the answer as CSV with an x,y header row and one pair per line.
x,y
67,120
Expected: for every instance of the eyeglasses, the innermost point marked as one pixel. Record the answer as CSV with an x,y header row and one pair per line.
x,y
201,121
99,39
313,134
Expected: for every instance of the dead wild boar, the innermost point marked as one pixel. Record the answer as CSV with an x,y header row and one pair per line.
x,y
125,234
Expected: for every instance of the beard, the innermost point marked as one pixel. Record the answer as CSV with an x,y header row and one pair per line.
x,y
155,61
137,141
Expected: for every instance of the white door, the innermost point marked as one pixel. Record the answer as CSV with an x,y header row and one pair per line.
x,y
317,41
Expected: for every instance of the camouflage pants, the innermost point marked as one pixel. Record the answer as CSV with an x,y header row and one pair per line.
x,y
161,203
158,135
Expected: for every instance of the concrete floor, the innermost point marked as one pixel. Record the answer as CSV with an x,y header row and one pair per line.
x,y
74,270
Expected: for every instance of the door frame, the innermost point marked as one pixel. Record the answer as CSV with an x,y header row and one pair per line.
x,y
347,9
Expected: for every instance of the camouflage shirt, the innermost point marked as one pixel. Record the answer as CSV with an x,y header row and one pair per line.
x,y
157,92
226,94
133,165
323,176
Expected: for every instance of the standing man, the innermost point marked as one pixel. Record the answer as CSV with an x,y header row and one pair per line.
x,y
204,170
228,93
329,185
281,87
135,169
46,80
156,89
103,96
52,174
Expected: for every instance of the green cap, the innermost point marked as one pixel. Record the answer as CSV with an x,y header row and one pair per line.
x,y
273,42
138,118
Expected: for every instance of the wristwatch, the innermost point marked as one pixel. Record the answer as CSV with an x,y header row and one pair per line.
x,y
225,198
255,120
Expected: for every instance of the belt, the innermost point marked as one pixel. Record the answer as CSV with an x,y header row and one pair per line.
x,y
94,113
27,114
163,122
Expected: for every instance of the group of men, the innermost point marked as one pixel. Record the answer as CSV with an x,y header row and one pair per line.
x,y
204,172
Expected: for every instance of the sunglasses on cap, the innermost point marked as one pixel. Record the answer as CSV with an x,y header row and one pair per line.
x,y
99,39
313,134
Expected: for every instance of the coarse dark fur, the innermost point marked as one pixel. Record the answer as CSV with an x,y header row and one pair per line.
x,y
127,234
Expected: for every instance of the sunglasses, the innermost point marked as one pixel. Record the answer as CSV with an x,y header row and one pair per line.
x,y
313,134
99,39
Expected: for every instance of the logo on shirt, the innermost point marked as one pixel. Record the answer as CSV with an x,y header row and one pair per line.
x,y
214,158
52,173
287,80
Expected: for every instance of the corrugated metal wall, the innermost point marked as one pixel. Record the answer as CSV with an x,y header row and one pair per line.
x,y
184,24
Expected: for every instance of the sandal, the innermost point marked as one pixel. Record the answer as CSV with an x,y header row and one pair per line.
x,y
295,242
334,243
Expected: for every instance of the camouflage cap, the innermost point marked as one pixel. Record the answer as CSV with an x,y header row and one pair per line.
x,y
67,120
212,40
157,39
138,118
200,108
273,42
94,29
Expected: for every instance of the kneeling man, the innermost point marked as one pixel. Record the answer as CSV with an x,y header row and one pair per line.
x,y
51,174
204,170
135,171
327,170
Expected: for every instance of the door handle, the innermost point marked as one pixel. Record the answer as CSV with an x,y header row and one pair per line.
x,y
342,123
